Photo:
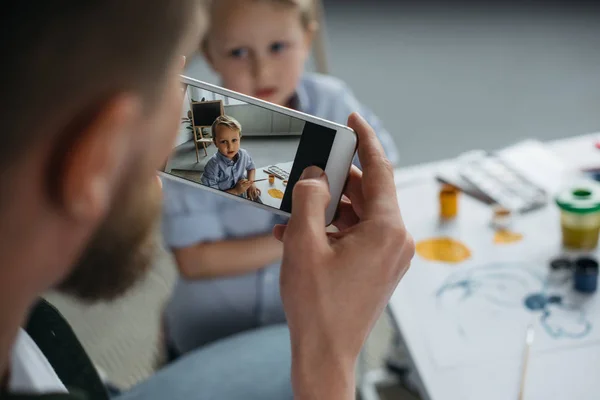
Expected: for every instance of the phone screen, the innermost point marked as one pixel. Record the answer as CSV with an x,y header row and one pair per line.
x,y
245,150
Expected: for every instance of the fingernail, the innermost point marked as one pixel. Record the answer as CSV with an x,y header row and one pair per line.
x,y
312,172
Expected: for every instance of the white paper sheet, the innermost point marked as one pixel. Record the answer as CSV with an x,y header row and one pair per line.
x,y
476,311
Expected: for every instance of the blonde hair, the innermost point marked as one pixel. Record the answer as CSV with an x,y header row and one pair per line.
x,y
225,120
307,11
306,7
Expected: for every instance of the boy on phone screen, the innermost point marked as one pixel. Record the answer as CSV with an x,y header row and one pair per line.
x,y
228,168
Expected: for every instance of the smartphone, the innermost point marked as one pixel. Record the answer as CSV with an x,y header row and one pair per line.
x,y
254,151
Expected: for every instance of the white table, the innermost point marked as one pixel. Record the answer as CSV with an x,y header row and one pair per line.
x,y
573,373
265,186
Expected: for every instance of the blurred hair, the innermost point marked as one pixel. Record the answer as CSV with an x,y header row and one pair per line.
x,y
62,59
306,7
225,120
307,10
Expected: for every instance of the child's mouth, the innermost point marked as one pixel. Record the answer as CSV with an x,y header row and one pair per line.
x,y
265,93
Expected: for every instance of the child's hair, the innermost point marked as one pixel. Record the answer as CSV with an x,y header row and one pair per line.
x,y
225,120
306,7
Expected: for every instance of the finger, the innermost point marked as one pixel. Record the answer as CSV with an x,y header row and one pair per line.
x,y
279,231
354,190
378,175
310,199
346,216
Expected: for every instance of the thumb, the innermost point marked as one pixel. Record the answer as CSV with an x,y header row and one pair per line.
x,y
309,202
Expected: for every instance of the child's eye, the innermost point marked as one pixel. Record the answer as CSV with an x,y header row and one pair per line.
x,y
234,140
238,53
278,47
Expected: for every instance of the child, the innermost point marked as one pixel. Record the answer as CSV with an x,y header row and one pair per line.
x,y
259,48
227,169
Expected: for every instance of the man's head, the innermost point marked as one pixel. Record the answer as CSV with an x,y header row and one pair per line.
x,y
259,47
227,134
90,106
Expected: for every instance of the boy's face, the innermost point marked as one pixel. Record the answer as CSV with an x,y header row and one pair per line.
x,y
258,48
227,141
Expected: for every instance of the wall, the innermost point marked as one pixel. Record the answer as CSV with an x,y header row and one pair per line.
x,y
184,135
258,121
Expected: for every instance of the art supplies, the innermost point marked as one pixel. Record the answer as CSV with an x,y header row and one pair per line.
x,y
502,218
580,216
448,202
530,159
586,275
271,179
502,183
528,342
278,172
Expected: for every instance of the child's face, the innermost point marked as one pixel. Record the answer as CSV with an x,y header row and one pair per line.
x,y
227,141
258,48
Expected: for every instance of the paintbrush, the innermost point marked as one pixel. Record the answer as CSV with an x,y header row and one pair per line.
x,y
528,342
259,180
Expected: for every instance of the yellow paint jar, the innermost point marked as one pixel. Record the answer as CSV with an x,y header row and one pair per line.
x,y
580,216
448,202
271,179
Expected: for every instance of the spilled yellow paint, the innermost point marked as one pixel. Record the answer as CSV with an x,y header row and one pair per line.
x,y
443,249
507,237
276,193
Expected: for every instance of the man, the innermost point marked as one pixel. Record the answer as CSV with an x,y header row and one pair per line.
x,y
90,108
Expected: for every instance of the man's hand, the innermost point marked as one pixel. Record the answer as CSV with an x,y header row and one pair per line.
x,y
253,192
242,186
335,286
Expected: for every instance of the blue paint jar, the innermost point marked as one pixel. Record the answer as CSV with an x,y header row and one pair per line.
x,y
586,275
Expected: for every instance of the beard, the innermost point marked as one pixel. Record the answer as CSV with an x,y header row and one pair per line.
x,y
120,252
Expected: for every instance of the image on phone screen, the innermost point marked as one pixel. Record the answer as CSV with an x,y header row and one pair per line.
x,y
244,150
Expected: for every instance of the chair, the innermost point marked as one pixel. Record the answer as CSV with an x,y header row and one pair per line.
x,y
203,112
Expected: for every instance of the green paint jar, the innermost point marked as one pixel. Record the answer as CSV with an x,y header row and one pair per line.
x,y
580,216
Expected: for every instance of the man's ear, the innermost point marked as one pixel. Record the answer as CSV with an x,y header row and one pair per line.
x,y
95,160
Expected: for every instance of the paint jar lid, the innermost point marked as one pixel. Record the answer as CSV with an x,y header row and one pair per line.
x,y
580,199
561,264
501,212
448,189
587,265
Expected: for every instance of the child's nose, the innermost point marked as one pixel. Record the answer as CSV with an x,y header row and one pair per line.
x,y
261,68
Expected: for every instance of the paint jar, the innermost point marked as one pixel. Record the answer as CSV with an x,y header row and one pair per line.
x,y
580,216
502,218
586,275
448,202
271,179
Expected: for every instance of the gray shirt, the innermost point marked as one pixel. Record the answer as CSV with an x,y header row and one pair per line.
x,y
202,311
222,173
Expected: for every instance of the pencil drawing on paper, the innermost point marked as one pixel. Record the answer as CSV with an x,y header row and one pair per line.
x,y
503,286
